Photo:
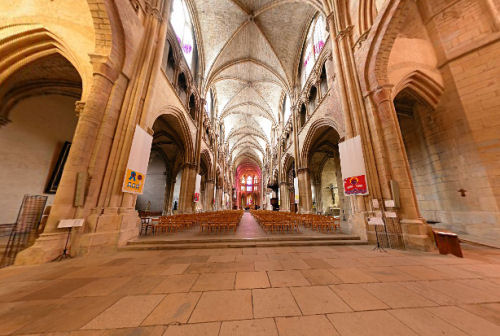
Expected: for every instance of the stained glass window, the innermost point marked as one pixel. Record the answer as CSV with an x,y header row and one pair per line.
x,y
286,109
181,22
249,180
313,45
249,188
243,180
208,105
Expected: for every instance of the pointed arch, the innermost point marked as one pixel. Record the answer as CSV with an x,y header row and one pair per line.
x,y
312,134
423,85
176,117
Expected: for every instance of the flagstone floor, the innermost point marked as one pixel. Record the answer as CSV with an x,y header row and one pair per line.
x,y
341,290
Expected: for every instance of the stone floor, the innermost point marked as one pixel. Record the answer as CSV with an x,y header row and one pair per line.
x,y
344,290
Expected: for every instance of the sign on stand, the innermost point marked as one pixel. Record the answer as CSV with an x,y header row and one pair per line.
x,y
137,166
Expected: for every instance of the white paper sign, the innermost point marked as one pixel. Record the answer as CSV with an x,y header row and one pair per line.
x,y
375,203
391,214
69,223
389,204
375,221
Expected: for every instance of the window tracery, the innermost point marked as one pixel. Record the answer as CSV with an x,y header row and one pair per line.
x,y
183,28
314,43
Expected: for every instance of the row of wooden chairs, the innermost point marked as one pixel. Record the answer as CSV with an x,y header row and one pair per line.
x,y
272,221
220,221
166,224
209,222
320,223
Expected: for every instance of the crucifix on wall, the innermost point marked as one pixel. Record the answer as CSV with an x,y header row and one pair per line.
x,y
332,190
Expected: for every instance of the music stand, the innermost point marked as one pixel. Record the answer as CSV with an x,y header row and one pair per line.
x,y
377,221
67,224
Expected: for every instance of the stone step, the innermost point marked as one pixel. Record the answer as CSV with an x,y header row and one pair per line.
x,y
166,245
208,239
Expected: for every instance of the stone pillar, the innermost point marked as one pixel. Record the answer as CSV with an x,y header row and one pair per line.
x,y
51,242
209,193
305,193
169,191
284,197
317,191
416,232
218,198
187,188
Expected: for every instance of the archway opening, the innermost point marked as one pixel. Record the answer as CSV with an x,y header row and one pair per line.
x,y
425,161
37,107
248,186
324,164
164,177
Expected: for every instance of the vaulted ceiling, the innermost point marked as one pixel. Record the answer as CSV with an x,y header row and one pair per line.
x,y
250,51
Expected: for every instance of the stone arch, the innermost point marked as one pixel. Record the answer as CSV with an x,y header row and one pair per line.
x,y
108,30
366,14
423,85
288,161
30,42
205,155
382,36
25,46
177,118
311,134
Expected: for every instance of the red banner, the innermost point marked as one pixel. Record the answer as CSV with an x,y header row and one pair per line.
x,y
355,185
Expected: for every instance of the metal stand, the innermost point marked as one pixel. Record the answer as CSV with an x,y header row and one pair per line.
x,y
65,254
379,246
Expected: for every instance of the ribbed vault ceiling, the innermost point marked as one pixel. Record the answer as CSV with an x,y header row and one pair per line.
x,y
250,51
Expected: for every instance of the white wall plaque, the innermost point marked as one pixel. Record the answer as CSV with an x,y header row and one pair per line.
x,y
389,203
391,214
68,223
375,221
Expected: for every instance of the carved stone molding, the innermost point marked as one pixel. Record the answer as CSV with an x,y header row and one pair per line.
x,y
343,33
79,106
153,11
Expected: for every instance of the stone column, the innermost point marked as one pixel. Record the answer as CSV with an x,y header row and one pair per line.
x,y
187,188
416,232
305,193
218,198
284,197
210,195
91,113
169,191
317,191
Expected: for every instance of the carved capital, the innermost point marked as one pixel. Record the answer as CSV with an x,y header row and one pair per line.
x,y
153,11
302,170
343,33
79,106
189,165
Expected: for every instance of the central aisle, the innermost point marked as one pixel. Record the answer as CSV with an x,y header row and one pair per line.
x,y
249,228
